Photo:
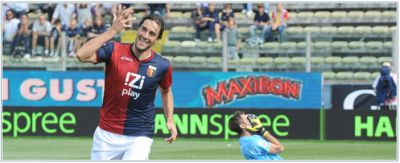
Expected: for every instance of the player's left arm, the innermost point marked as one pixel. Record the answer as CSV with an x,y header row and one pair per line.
x,y
168,107
168,104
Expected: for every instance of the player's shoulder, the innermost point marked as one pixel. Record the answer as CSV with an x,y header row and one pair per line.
x,y
162,60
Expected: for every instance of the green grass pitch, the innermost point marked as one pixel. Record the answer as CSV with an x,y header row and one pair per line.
x,y
73,148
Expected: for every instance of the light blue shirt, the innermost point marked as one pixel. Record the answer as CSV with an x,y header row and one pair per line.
x,y
256,147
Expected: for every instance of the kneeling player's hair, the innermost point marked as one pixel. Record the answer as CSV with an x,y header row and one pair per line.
x,y
234,123
156,18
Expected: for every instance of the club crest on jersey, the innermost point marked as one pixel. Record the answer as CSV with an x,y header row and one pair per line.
x,y
151,71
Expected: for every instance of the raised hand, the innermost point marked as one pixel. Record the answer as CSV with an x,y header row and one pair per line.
x,y
122,18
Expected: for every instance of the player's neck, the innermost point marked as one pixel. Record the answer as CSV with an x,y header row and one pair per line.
x,y
141,55
246,133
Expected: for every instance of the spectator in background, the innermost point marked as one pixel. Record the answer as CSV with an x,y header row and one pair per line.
x,y
41,33
102,9
261,22
65,12
234,39
211,16
85,29
56,39
73,41
83,12
385,87
162,9
19,8
226,13
10,27
279,19
198,21
248,8
23,36
97,28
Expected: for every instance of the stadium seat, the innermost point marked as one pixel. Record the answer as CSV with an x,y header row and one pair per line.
x,y
187,15
362,75
204,44
368,60
304,15
243,30
179,29
248,61
322,14
271,45
264,60
383,59
298,60
363,30
389,14
139,14
371,15
214,60
344,75
380,29
181,59
374,44
322,44
374,75
356,44
294,30
332,60
312,29
339,14
176,15
393,29
328,75
191,30
188,44
350,61
345,30
198,60
239,15
288,45
293,15
33,16
339,44
217,44
281,60
301,45
355,14
233,62
388,45
328,30
317,60
172,44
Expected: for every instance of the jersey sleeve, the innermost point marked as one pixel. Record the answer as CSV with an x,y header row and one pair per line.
x,y
167,80
104,53
264,145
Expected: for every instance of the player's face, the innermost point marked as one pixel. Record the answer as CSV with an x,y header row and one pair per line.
x,y
147,35
244,120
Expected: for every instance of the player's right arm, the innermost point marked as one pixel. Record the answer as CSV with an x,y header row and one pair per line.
x,y
276,146
122,19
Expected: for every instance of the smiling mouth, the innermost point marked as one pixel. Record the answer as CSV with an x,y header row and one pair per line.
x,y
141,41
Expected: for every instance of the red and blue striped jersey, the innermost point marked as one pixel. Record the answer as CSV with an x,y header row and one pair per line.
x,y
130,89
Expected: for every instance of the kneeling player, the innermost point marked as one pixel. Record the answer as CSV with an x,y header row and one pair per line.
x,y
256,143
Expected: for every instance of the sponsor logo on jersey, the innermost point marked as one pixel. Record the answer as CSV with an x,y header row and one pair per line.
x,y
151,71
125,58
135,82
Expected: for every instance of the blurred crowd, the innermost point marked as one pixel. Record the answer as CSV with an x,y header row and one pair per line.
x,y
54,30
270,23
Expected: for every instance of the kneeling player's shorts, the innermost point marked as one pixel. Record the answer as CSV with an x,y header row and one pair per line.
x,y
110,146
